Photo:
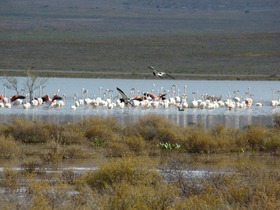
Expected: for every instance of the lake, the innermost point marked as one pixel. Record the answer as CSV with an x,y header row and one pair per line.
x,y
260,91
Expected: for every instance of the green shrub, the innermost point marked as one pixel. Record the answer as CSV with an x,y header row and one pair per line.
x,y
169,146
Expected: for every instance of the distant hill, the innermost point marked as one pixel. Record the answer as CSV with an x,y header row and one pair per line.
x,y
179,36
61,7
156,15
207,4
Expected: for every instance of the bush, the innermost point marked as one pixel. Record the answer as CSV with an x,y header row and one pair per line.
x,y
133,170
156,128
101,129
253,138
137,145
272,142
276,120
77,152
117,148
28,131
130,183
10,180
69,134
200,141
129,178
8,147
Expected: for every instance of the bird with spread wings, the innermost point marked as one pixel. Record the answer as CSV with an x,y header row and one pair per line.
x,y
160,74
124,97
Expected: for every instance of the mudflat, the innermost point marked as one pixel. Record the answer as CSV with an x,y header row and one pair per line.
x,y
118,39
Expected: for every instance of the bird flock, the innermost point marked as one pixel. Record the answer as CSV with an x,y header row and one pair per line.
x,y
162,98
21,100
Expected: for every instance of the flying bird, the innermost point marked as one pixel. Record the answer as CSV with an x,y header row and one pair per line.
x,y
124,97
160,74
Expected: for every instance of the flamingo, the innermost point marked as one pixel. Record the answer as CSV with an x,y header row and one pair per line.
x,y
236,98
46,98
184,103
124,97
248,99
154,104
160,74
56,97
202,105
5,99
229,103
150,96
8,104
120,104
166,103
57,101
259,103
194,103
95,102
85,100
2,101
26,105
76,103
273,101
34,102
17,99
111,105
221,103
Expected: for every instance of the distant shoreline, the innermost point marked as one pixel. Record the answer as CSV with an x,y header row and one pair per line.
x,y
133,75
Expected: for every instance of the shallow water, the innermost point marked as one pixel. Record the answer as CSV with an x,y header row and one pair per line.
x,y
260,90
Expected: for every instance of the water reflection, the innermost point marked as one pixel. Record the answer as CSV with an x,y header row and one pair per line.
x,y
208,118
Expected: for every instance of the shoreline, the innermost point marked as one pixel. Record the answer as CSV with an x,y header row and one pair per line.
x,y
133,75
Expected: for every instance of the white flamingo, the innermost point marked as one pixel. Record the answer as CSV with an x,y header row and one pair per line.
x,y
194,102
26,105
275,102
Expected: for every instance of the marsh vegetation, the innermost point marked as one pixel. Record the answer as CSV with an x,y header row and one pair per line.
x,y
140,165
